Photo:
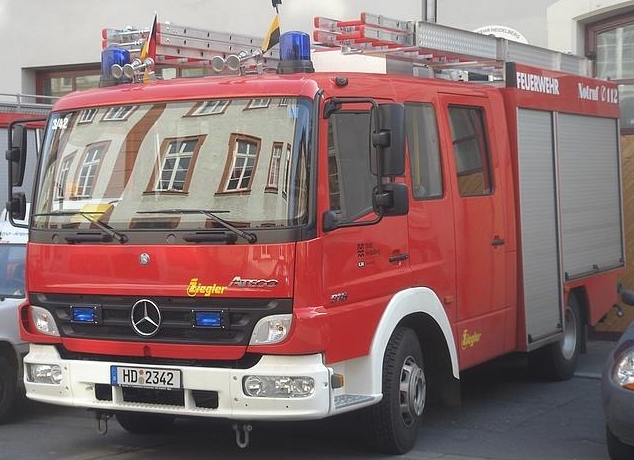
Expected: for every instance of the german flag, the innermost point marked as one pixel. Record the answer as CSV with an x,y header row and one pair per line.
x,y
149,46
273,35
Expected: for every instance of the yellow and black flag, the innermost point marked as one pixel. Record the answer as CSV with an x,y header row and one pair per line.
x,y
272,37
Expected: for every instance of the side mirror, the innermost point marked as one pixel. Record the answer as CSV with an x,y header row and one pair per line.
x,y
16,153
387,135
393,200
17,207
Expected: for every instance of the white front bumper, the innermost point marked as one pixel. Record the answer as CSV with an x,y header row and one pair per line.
x,y
79,378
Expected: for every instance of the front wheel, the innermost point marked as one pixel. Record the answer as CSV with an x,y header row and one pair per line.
x,y
144,423
396,418
558,361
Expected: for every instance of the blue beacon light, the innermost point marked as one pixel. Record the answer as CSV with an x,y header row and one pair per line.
x,y
295,53
109,57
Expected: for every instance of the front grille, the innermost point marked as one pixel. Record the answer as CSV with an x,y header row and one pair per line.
x,y
247,361
202,399
150,396
113,317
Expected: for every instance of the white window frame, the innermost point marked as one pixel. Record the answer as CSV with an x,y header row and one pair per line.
x,y
118,113
259,103
211,107
239,172
178,156
87,116
88,172
287,171
273,181
63,174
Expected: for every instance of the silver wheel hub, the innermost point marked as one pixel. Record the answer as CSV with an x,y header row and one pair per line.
x,y
569,342
413,389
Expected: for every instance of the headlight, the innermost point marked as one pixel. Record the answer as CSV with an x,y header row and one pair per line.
x,y
624,370
271,329
44,373
278,386
44,321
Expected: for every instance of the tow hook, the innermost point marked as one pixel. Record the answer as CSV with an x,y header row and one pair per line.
x,y
242,434
102,422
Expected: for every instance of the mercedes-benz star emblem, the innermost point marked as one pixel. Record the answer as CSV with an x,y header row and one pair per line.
x,y
144,259
146,318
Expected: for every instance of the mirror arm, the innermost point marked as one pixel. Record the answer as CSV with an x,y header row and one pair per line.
x,y
330,222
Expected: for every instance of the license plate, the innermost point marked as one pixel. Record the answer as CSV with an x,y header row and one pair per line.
x,y
144,377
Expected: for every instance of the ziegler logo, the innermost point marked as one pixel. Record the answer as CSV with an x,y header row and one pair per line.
x,y
469,339
195,288
238,282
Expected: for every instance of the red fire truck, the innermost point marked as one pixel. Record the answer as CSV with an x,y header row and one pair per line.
x,y
297,244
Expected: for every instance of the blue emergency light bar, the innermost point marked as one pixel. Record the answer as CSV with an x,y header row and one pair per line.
x,y
295,53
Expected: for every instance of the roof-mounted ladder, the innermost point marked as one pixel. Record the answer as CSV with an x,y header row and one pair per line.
x,y
184,46
439,48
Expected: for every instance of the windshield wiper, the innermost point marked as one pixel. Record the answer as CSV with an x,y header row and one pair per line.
x,y
106,229
250,237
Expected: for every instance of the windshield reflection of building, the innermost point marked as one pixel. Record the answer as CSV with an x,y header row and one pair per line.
x,y
230,155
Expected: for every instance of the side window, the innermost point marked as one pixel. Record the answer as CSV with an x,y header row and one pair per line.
x,y
349,176
468,135
424,153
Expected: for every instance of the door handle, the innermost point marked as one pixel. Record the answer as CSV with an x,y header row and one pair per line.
x,y
498,241
398,257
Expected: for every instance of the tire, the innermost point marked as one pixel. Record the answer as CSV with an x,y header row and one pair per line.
x,y
395,420
616,448
144,423
558,361
8,393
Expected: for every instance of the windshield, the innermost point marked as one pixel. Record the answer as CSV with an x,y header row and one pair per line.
x,y
12,258
192,165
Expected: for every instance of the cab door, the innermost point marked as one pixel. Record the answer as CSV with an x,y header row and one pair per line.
x,y
479,225
363,266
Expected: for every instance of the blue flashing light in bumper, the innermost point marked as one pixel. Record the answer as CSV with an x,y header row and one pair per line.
x,y
208,319
83,314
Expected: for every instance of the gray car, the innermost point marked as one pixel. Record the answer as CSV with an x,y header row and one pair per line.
x,y
618,394
12,294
